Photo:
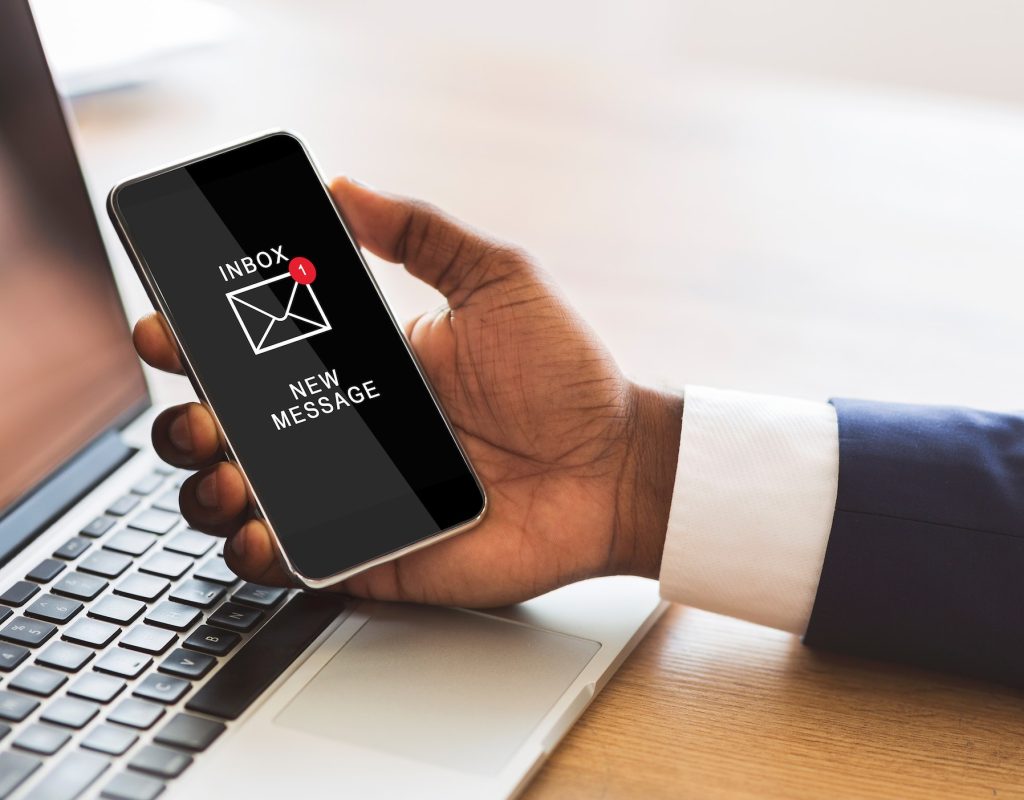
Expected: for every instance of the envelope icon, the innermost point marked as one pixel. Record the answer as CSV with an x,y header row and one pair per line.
x,y
276,312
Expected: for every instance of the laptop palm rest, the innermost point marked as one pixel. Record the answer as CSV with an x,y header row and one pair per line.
x,y
453,688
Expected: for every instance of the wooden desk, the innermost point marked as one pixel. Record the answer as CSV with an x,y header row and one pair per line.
x,y
714,708
740,231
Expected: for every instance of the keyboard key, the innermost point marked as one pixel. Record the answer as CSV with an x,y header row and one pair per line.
x,y
4,730
42,739
53,609
98,526
148,639
260,596
265,656
91,632
133,786
187,664
149,484
214,641
190,543
110,739
119,610
46,570
123,505
22,630
72,548
168,501
133,543
162,688
235,617
18,593
168,565
69,712
142,587
197,593
37,680
216,569
93,686
11,655
160,761
74,773
105,563
173,615
154,520
124,663
5,612
14,769
80,586
15,707
68,657
189,732
134,713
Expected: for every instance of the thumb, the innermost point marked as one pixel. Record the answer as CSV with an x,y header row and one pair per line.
x,y
434,247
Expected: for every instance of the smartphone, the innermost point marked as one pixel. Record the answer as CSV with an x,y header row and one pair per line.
x,y
321,403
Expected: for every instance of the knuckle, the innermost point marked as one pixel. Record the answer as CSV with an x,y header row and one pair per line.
x,y
510,258
514,254
501,264
415,234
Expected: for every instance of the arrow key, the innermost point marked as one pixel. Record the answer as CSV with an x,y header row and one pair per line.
x,y
187,664
162,688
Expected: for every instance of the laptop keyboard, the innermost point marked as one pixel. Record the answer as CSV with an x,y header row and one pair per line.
x,y
102,646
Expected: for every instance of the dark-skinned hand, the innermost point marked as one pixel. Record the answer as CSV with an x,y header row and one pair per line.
x,y
577,461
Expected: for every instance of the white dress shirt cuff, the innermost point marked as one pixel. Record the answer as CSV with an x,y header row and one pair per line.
x,y
752,507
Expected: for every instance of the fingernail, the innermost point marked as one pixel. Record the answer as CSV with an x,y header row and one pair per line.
x,y
359,183
180,433
206,491
238,544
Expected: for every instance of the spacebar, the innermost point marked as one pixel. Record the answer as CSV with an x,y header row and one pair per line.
x,y
266,655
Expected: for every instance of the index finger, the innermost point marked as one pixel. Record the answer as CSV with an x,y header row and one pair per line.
x,y
155,345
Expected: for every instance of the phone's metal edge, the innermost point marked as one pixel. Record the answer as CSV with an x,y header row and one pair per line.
x,y
158,302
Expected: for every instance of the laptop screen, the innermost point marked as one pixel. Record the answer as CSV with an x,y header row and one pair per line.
x,y
67,369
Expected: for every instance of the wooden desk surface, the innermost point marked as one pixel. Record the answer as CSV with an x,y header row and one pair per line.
x,y
709,707
737,230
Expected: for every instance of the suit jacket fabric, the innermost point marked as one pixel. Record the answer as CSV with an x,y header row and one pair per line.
x,y
925,560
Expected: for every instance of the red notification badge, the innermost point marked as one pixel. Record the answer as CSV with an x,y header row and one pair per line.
x,y
302,270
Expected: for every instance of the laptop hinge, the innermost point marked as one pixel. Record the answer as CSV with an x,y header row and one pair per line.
x,y
61,491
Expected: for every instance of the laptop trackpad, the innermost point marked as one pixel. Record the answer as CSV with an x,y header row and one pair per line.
x,y
453,688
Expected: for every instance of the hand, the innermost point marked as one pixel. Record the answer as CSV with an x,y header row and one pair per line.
x,y
577,461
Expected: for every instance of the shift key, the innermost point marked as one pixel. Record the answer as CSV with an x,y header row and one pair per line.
x,y
266,655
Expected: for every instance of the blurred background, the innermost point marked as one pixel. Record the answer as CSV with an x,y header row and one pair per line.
x,y
806,197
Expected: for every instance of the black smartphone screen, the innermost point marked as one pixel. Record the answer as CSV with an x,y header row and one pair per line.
x,y
325,409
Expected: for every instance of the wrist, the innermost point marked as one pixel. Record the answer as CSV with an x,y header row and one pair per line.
x,y
644,492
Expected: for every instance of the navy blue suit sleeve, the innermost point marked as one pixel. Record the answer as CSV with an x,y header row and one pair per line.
x,y
925,561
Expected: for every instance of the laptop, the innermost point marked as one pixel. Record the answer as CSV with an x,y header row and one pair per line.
x,y
133,663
